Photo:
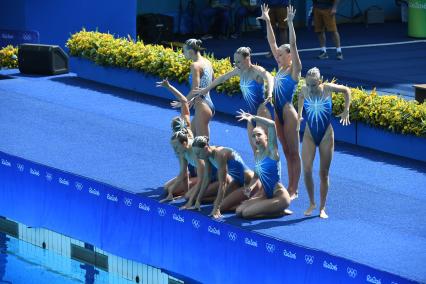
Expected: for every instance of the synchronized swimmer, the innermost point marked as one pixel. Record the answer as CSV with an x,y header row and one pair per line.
x,y
285,83
219,173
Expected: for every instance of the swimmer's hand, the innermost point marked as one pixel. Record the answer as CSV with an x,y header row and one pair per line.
x,y
265,13
216,213
193,101
247,191
165,83
176,104
268,100
291,13
242,115
197,92
344,117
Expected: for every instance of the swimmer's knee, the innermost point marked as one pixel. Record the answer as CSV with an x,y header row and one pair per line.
x,y
324,174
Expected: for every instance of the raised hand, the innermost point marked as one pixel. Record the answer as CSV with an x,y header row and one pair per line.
x,y
192,102
344,117
165,83
265,13
242,115
291,13
176,104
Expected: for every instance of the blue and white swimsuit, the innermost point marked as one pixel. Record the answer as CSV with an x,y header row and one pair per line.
x,y
205,80
284,87
192,167
253,94
269,172
236,166
318,111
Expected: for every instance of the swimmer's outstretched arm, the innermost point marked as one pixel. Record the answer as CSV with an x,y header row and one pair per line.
x,y
183,102
223,185
204,184
296,64
216,82
269,30
269,124
178,95
182,177
344,116
194,192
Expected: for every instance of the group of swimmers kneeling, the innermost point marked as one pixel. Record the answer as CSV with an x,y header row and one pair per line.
x,y
219,173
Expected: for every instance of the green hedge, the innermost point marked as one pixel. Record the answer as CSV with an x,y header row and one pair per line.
x,y
9,57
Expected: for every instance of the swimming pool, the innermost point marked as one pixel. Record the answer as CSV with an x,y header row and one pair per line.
x,y
22,262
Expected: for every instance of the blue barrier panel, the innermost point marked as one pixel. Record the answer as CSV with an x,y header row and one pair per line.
x,y
141,229
56,20
399,144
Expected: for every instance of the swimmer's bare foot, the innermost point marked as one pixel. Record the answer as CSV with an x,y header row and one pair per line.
x,y
197,205
168,198
294,196
288,212
187,205
194,208
311,208
323,214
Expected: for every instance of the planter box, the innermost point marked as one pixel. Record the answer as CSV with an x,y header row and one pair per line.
x,y
402,145
356,133
344,133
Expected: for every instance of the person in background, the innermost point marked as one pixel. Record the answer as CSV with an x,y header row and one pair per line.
x,y
217,11
315,99
248,8
325,19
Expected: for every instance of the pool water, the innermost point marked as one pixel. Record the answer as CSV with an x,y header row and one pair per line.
x,y
21,262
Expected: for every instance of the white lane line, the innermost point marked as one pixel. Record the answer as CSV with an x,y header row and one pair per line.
x,y
351,46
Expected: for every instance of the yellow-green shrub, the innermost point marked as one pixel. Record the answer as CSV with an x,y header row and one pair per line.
x,y
9,57
389,112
